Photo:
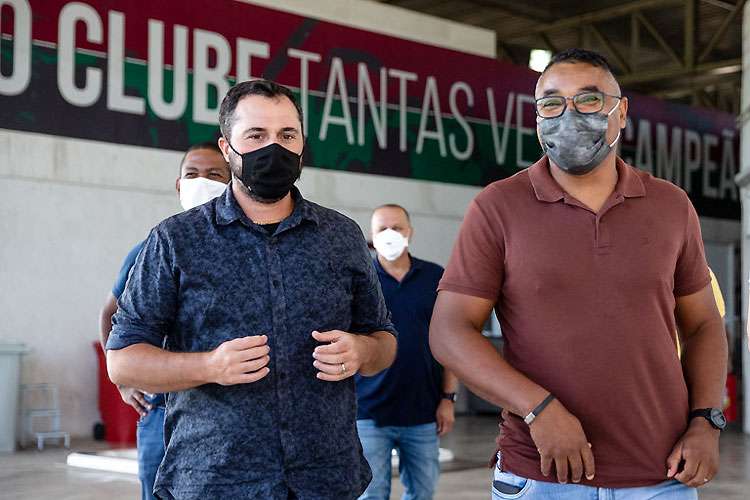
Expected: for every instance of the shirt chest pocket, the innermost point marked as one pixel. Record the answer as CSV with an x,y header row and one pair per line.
x,y
323,296
214,308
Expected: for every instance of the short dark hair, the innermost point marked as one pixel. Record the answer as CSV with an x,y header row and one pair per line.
x,y
395,205
213,146
265,88
204,145
577,55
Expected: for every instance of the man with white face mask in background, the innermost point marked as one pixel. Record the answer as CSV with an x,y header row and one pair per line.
x,y
410,405
204,175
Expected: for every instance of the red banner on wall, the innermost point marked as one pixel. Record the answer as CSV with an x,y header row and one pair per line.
x,y
152,74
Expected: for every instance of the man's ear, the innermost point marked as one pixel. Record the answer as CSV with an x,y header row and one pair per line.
x,y
624,112
224,147
177,185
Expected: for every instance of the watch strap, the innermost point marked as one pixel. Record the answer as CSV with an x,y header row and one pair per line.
x,y
450,396
700,412
708,414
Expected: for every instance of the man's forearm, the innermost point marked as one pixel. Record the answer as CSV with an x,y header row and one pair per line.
x,y
152,369
705,365
450,382
104,330
382,350
473,359
105,319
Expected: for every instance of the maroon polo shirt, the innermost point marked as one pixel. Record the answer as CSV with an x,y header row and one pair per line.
x,y
586,303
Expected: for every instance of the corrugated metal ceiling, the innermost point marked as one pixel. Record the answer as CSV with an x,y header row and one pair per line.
x,y
658,63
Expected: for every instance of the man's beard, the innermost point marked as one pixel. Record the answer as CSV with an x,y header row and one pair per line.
x,y
260,199
237,176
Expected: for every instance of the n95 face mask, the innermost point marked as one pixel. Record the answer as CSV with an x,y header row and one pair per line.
x,y
390,244
199,190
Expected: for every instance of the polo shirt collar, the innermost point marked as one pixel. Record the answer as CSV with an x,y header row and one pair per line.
x,y
229,211
416,265
629,183
544,185
546,188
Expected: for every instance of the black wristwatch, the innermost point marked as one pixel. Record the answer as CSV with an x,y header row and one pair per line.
x,y
714,416
450,396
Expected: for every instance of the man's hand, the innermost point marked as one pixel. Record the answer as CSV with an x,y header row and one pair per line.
x,y
694,460
239,361
135,398
342,356
560,439
445,417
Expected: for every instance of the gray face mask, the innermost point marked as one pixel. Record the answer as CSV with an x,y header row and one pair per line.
x,y
576,142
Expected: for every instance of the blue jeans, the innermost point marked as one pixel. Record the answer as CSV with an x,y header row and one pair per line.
x,y
418,448
506,486
150,437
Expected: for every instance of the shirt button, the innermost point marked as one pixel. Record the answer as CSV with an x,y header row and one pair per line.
x,y
283,426
275,283
272,240
282,376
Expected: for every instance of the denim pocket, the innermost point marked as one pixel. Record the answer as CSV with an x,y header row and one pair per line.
x,y
506,485
144,419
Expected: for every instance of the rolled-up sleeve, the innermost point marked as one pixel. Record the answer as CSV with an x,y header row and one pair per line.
x,y
369,312
146,309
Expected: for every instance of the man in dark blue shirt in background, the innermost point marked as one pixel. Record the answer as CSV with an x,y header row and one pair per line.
x,y
410,405
204,175
266,305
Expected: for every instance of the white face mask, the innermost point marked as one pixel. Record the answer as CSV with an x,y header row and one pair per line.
x,y
199,190
390,244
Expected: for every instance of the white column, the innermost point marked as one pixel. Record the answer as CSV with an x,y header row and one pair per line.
x,y
743,179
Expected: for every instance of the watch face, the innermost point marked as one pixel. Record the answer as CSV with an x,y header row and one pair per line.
x,y
718,419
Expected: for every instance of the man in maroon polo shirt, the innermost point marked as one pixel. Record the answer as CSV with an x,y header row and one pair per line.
x,y
592,266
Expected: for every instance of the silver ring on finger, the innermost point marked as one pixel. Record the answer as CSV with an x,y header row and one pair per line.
x,y
343,368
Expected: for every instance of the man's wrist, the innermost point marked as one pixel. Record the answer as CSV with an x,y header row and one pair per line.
x,y
449,396
206,373
368,351
703,425
533,414
712,416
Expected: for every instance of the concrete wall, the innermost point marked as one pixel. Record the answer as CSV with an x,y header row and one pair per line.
x,y
743,179
71,209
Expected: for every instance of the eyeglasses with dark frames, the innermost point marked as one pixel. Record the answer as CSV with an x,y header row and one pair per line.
x,y
586,103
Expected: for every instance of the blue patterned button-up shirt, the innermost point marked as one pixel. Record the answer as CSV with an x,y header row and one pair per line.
x,y
209,275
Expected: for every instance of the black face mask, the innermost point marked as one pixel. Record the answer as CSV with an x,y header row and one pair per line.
x,y
271,171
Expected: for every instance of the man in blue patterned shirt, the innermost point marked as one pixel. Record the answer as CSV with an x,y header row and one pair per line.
x,y
267,305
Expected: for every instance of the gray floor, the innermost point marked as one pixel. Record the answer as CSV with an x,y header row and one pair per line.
x,y
32,475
